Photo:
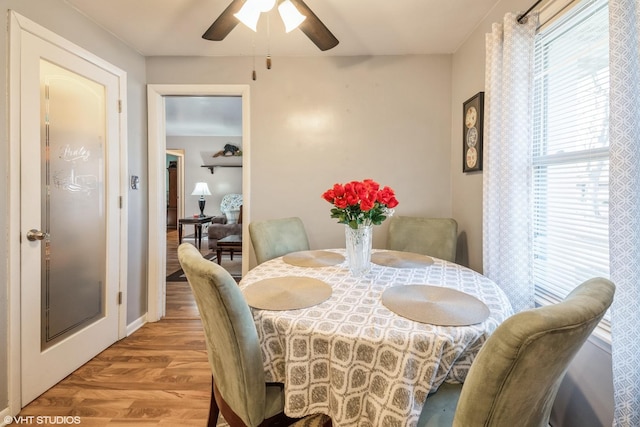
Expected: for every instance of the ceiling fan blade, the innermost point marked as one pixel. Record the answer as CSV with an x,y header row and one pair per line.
x,y
314,28
226,22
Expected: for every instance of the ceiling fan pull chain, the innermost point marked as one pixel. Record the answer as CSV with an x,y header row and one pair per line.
x,y
268,41
253,49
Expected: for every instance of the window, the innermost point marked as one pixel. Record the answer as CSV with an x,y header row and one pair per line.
x,y
571,151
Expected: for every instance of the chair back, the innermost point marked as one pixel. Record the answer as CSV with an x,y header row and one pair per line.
x,y
516,375
230,335
436,237
276,237
231,207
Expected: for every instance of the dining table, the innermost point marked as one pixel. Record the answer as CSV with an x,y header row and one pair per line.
x,y
368,350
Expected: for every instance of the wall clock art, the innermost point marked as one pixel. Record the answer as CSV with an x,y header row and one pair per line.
x,y
473,115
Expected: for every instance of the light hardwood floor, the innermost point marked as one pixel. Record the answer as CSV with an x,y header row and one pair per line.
x,y
158,376
180,303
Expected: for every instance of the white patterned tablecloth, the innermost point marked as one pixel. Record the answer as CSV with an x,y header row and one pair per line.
x,y
356,361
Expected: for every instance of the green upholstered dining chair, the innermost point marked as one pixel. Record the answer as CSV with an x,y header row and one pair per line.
x,y
437,237
276,237
239,390
515,377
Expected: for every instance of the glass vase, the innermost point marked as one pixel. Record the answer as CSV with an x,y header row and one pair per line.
x,y
358,241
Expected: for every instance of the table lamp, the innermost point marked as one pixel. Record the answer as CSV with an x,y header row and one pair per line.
x,y
201,189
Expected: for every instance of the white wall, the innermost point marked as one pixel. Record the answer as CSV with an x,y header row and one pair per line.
x,y
318,121
224,180
586,396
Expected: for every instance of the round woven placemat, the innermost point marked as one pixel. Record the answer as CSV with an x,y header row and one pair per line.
x,y
398,259
435,305
286,293
313,258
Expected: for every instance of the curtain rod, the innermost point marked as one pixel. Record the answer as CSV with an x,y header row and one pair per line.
x,y
524,15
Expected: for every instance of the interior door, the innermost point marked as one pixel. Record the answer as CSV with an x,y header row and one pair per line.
x,y
70,215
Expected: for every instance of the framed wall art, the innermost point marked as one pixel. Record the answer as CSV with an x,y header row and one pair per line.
x,y
472,119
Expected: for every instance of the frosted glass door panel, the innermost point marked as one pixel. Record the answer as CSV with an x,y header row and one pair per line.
x,y
73,202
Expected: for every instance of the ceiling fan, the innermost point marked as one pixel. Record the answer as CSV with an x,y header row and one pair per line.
x,y
303,18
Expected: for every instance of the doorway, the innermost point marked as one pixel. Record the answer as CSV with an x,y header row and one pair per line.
x,y
157,172
175,187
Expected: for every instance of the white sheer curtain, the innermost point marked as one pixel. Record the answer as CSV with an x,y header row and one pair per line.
x,y
624,206
507,158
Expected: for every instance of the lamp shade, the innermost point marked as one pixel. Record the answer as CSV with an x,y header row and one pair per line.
x,y
249,14
290,15
201,189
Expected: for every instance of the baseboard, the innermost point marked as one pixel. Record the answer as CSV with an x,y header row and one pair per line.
x,y
5,417
135,325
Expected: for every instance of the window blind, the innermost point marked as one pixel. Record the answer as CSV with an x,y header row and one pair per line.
x,y
570,215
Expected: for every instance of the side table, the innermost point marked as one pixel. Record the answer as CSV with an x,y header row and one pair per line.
x,y
230,243
197,222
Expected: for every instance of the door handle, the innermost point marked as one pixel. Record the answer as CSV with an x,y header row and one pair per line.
x,y
33,235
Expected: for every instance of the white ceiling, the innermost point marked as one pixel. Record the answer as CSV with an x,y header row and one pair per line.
x,y
363,27
203,116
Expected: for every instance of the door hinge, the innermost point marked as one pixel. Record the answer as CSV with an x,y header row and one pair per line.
x,y
120,201
119,298
119,106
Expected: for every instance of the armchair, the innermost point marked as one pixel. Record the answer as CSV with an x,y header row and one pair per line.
x,y
276,237
436,237
515,377
227,224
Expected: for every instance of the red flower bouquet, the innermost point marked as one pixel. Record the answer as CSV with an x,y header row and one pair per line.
x,y
361,202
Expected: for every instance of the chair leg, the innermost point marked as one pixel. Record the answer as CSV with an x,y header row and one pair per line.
x,y
279,420
230,417
214,411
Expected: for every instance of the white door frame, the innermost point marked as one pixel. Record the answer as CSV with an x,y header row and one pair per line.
x,y
17,25
157,248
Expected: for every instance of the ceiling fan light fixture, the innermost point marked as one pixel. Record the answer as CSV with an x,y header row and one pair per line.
x,y
290,15
249,14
